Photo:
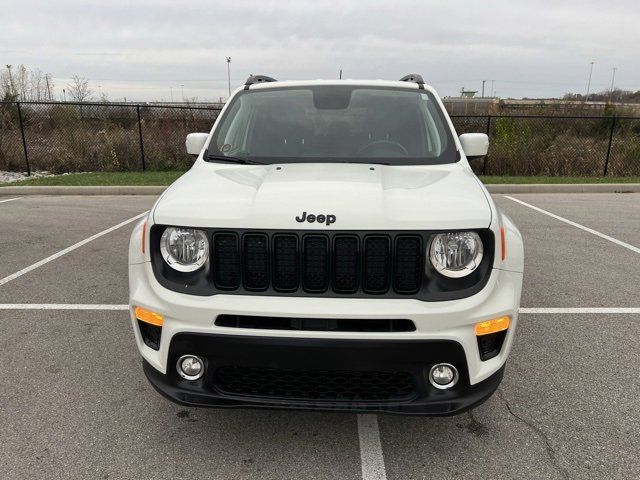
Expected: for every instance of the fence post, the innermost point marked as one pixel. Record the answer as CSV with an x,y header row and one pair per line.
x,y
24,141
484,161
606,161
140,135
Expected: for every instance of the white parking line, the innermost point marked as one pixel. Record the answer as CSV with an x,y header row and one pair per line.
x,y
62,306
10,200
371,457
577,225
44,261
116,306
590,311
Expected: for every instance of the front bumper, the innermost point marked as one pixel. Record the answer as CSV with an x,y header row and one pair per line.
x,y
286,372
448,320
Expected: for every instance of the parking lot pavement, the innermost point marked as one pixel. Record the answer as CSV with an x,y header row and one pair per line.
x,y
75,403
32,228
568,267
567,408
617,215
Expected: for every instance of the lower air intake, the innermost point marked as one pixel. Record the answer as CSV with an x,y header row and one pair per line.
x,y
314,385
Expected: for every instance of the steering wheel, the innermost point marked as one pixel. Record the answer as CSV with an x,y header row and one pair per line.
x,y
398,146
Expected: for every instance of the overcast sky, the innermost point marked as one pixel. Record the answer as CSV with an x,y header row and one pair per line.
x,y
142,50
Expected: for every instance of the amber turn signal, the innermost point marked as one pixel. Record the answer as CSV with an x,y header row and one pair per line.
x,y
148,316
492,326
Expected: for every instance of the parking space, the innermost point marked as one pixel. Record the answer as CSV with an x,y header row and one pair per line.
x,y
75,402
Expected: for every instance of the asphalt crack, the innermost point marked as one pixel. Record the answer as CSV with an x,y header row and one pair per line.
x,y
551,452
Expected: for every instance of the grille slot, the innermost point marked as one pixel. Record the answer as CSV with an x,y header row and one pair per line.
x,y
408,264
377,258
285,263
226,265
346,264
318,385
315,267
256,262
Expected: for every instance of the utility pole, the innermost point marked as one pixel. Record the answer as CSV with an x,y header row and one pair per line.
x,y
64,95
492,82
229,74
182,89
483,88
340,74
586,98
613,76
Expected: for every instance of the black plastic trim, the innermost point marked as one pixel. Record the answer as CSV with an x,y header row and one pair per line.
x,y
434,286
414,357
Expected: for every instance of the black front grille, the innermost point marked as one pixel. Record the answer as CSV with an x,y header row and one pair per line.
x,y
294,263
317,263
317,385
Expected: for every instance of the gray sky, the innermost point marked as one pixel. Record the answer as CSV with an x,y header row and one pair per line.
x,y
139,49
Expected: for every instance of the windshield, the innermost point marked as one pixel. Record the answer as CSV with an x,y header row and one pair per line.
x,y
334,123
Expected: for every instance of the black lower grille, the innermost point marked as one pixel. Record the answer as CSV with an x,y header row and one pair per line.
x,y
318,385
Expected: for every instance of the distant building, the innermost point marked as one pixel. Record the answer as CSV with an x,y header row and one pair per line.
x,y
467,93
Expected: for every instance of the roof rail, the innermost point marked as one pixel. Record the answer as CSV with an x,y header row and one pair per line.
x,y
257,79
414,77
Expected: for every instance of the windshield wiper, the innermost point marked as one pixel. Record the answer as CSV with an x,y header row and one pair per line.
x,y
243,161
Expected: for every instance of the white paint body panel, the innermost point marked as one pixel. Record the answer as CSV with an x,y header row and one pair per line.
x,y
362,197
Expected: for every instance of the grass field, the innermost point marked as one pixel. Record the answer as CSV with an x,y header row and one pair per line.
x,y
166,178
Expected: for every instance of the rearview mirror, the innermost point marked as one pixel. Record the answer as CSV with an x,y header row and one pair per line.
x,y
474,145
195,142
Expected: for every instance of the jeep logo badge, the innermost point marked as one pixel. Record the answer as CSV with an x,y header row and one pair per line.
x,y
328,219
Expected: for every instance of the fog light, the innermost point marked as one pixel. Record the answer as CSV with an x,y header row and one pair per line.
x,y
443,376
190,367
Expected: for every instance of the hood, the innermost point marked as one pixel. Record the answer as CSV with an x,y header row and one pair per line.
x,y
345,196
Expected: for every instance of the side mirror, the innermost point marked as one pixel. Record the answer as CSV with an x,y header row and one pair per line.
x,y
474,145
195,143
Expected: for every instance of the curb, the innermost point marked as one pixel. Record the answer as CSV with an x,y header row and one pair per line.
x,y
493,188
564,188
93,190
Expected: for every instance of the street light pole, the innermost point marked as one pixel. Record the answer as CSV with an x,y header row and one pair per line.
x,y
229,74
586,98
613,76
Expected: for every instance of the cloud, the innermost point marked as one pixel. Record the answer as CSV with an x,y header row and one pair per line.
x,y
139,49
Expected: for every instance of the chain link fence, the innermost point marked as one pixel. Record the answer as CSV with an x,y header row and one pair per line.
x,y
80,137
556,146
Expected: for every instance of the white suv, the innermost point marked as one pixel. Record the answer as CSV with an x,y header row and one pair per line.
x,y
330,249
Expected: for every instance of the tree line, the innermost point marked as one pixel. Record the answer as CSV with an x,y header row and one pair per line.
x,y
18,83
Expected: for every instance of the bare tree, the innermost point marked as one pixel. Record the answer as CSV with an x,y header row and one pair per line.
x,y
7,88
79,89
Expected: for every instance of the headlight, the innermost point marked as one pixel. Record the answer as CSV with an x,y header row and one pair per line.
x,y
456,254
184,249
